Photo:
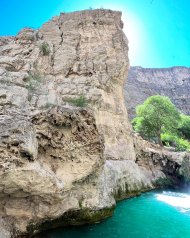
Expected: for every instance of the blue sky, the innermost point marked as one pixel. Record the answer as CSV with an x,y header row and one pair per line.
x,y
158,30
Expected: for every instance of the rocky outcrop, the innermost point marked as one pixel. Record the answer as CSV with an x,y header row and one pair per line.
x,y
144,82
62,164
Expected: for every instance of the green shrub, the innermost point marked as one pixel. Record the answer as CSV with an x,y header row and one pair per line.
x,y
79,101
45,49
173,140
168,139
33,82
184,127
182,145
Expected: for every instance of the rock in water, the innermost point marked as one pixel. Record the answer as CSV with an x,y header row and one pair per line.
x,y
62,164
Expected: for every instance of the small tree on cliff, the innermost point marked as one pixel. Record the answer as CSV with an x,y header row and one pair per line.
x,y
155,116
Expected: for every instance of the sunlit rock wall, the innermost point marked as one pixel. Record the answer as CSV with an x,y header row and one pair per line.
x,y
62,164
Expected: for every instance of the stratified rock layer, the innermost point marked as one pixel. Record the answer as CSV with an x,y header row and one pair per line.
x,y
61,164
144,82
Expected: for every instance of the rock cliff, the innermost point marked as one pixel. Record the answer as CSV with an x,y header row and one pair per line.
x,y
144,82
62,164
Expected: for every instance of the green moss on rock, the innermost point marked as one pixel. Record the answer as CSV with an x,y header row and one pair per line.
x,y
71,218
185,169
163,182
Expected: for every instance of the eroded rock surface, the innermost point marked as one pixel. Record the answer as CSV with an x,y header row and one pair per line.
x,y
61,164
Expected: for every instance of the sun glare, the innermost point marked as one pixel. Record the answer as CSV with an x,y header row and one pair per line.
x,y
134,34
134,31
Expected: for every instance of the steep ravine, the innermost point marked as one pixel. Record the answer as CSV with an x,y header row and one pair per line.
x,y
61,164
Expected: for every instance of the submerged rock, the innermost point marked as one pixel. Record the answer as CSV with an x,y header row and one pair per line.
x,y
62,164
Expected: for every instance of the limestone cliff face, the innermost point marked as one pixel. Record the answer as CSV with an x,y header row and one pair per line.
x,y
144,82
62,164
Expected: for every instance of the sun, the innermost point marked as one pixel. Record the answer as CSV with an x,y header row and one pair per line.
x,y
134,35
134,30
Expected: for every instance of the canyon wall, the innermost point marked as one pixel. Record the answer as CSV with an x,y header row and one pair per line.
x,y
173,82
62,164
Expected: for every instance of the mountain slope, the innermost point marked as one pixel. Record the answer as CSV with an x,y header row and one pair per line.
x,y
172,82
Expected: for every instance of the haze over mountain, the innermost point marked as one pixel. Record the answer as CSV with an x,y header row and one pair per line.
x,y
173,82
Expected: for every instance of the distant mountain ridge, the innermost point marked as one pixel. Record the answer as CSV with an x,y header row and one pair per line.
x,y
173,82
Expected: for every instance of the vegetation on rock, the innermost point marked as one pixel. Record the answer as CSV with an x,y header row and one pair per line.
x,y
45,49
72,217
158,120
176,141
184,127
163,182
80,101
156,116
34,80
185,169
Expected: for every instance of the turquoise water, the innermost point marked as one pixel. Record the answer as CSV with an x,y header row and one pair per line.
x,y
152,215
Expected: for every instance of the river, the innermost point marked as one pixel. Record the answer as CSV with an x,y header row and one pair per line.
x,y
159,214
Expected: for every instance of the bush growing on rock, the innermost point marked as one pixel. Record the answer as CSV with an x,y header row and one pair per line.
x,y
33,81
182,144
80,101
184,127
45,49
174,140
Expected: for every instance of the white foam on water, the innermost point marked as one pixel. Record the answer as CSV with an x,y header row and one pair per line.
x,y
178,200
